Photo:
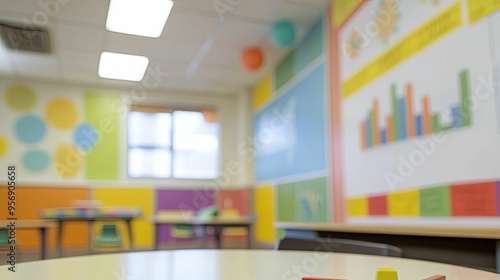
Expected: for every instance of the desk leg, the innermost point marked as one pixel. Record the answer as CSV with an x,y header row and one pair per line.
x,y
218,233
203,242
157,237
90,241
130,235
498,256
43,242
59,238
249,236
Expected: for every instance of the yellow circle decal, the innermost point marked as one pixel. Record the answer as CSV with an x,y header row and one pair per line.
x,y
20,97
4,146
61,113
68,161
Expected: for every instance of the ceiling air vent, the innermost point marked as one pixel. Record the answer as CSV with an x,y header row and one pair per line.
x,y
25,38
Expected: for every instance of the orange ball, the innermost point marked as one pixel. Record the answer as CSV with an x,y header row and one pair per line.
x,y
252,58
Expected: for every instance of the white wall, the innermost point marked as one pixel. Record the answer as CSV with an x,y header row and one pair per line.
x,y
234,113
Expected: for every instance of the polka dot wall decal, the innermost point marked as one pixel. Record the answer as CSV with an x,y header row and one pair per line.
x,y
68,161
61,113
36,160
4,146
20,97
30,129
85,137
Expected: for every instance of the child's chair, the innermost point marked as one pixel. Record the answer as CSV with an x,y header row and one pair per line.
x,y
109,237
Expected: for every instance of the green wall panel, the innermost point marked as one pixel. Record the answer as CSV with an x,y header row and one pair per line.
x,y
303,201
101,112
435,202
311,47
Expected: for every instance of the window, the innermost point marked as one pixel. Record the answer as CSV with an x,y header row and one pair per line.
x,y
170,143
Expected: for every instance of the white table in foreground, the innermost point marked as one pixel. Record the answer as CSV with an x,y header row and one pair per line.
x,y
232,264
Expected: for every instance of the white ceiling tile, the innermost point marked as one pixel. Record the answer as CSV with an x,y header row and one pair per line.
x,y
85,11
165,50
172,67
129,44
27,6
207,5
277,10
259,9
223,55
189,27
313,3
33,65
81,59
232,36
74,37
79,74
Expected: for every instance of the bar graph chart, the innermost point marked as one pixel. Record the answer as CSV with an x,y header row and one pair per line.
x,y
405,123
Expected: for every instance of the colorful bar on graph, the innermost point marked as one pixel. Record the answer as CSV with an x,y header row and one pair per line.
x,y
419,125
404,123
426,115
375,124
383,136
465,98
368,125
410,111
395,115
402,118
456,112
389,129
362,132
435,123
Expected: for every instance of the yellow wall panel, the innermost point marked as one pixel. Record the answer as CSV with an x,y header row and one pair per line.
x,y
264,209
406,204
130,197
357,207
342,9
263,91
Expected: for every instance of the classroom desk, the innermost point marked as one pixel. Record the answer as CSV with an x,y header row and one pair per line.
x,y
40,225
473,246
217,223
233,264
91,215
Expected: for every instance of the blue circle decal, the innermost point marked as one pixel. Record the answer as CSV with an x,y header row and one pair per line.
x,y
36,160
85,137
30,129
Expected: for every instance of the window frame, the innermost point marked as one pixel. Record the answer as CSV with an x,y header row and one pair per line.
x,y
170,110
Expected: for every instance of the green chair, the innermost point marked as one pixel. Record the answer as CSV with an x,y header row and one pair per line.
x,y
189,232
207,212
109,237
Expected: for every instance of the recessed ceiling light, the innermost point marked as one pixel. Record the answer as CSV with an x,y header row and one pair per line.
x,y
120,66
138,17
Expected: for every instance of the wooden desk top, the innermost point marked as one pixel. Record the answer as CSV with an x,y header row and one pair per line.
x,y
180,220
417,230
29,224
232,264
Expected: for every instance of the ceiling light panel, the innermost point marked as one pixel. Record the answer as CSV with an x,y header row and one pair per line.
x,y
123,66
145,18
